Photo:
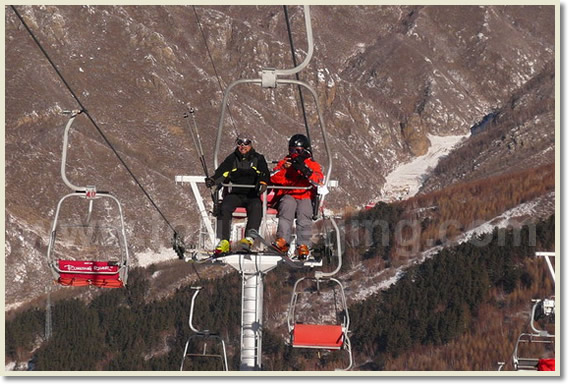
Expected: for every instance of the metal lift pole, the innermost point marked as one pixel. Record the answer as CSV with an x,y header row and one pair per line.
x,y
252,268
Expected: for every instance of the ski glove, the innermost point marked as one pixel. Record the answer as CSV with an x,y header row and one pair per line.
x,y
209,182
298,163
261,188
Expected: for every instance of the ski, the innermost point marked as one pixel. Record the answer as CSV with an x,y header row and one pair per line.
x,y
211,256
255,235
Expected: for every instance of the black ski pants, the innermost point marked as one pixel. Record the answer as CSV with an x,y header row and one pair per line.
x,y
230,202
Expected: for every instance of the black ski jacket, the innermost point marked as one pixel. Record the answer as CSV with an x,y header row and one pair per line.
x,y
250,169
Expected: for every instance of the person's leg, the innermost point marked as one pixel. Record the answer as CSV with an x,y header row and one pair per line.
x,y
230,203
286,215
304,221
254,214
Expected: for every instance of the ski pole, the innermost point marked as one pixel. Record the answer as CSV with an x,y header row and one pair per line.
x,y
197,142
196,139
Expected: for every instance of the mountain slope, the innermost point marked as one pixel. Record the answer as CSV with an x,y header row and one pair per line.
x,y
387,77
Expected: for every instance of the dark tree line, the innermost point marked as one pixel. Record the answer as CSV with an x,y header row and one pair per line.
x,y
436,301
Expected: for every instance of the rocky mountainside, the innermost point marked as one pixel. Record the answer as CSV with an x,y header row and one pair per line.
x,y
387,77
515,136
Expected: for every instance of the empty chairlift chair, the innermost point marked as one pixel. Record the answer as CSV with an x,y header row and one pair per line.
x,y
315,332
534,350
98,255
204,337
528,351
106,265
530,347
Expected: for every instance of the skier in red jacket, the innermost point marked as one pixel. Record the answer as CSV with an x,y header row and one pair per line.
x,y
300,170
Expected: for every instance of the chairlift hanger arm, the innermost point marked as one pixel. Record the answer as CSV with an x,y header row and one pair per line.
x,y
286,72
320,274
275,73
282,81
539,332
547,256
197,290
64,151
222,117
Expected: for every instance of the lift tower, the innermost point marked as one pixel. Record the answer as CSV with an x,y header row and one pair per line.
x,y
253,267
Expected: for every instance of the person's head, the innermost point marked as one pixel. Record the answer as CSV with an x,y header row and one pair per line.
x,y
244,144
299,145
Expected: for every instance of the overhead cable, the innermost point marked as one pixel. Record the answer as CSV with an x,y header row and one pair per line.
x,y
85,111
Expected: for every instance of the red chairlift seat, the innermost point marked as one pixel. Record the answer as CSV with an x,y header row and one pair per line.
x,y
79,273
546,365
318,336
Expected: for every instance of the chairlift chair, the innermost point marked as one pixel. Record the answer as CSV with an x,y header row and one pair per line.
x,y
78,269
530,348
530,360
205,336
269,78
75,270
316,335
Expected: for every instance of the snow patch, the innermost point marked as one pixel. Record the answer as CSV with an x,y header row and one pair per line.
x,y
406,180
366,290
9,307
149,257
506,219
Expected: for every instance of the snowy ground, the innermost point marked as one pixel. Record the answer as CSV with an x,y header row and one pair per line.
x,y
371,284
405,181
150,257
510,218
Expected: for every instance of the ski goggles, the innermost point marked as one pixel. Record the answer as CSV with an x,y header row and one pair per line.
x,y
298,150
244,142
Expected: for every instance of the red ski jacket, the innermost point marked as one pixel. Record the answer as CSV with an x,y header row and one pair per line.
x,y
292,177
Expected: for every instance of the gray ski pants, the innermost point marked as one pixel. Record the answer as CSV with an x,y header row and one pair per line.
x,y
290,208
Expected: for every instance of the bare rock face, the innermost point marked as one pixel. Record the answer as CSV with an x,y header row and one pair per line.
x,y
386,76
414,134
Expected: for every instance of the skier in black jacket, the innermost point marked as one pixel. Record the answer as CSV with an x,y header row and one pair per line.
x,y
243,166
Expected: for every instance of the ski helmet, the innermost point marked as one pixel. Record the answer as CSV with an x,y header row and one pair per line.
x,y
299,140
